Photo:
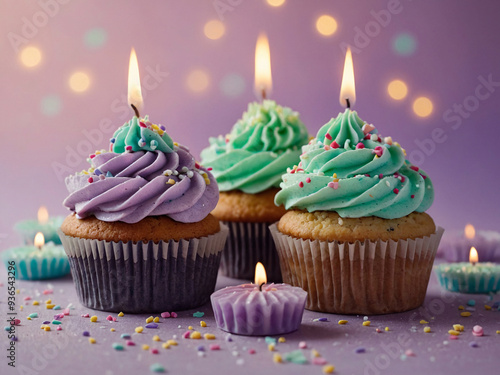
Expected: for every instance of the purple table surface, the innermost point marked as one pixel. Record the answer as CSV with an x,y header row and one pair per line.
x,y
69,352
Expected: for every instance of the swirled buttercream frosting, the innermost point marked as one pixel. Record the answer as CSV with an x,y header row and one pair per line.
x,y
144,174
259,148
350,169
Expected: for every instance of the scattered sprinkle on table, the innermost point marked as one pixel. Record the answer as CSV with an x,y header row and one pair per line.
x,y
320,320
209,336
465,314
471,302
151,325
458,327
203,324
156,338
473,344
366,323
156,367
343,321
270,340
328,369
93,319
112,329
296,356
214,347
165,314
360,350
120,314
424,321
281,340
271,347
277,358
453,332
427,329
302,345
92,340
145,347
198,314
149,320
117,346
139,329
195,335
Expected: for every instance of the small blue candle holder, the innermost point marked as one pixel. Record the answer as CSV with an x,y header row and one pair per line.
x,y
481,278
29,228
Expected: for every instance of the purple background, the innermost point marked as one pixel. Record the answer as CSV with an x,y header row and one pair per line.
x,y
456,43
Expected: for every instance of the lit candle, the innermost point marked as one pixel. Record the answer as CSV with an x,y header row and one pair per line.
x,y
134,85
45,224
38,261
263,78
472,277
347,96
259,309
456,244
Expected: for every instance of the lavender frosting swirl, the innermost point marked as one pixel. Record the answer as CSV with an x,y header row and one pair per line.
x,y
132,185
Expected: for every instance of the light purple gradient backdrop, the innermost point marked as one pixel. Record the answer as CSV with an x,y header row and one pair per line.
x,y
456,43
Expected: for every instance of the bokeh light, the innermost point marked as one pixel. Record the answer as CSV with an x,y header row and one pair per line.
x,y
397,89
214,29
50,105
404,44
276,3
232,85
326,25
31,56
198,80
95,38
79,82
422,106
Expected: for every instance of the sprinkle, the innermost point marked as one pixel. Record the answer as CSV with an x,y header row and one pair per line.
x,y
139,329
128,148
487,307
153,144
378,151
308,180
59,328
333,185
110,318
66,311
498,332
214,347
360,350
156,367
271,347
465,314
125,336
360,146
33,315
195,335
49,306
165,345
252,351
302,345
321,320
412,196
378,330
186,335
145,347
328,369
165,314
461,307
334,144
281,340
209,336
328,136
190,328
416,169
198,314
473,344
117,346
477,331
203,324
453,332
46,322
396,190
56,322
424,321
86,333
173,315
301,184
471,302
319,361
46,328
149,320
93,319
171,181
296,356
277,358
92,340
342,321
172,342
112,329
56,307
427,329
154,351
366,323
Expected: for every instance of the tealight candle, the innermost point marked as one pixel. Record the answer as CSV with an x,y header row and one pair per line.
x,y
472,277
455,246
259,309
45,224
38,261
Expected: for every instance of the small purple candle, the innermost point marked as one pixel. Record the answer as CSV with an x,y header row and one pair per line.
x,y
259,309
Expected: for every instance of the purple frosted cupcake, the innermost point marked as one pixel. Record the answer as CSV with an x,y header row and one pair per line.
x,y
140,237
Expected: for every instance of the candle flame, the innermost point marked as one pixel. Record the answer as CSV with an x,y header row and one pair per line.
x,y
39,240
260,274
43,215
348,88
263,78
470,231
473,257
134,83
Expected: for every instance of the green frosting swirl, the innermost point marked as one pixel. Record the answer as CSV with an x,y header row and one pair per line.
x,y
141,135
349,169
259,148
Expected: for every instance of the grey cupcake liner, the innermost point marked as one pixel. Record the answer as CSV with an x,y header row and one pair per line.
x,y
144,277
247,244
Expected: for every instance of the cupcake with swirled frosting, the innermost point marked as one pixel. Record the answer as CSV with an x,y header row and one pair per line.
x,y
356,235
247,164
141,237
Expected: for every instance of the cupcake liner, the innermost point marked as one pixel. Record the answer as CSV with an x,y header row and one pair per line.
x,y
247,244
454,247
456,280
145,277
370,277
39,269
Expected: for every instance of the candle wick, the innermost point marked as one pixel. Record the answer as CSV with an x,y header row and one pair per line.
x,y
264,95
135,110
348,103
260,287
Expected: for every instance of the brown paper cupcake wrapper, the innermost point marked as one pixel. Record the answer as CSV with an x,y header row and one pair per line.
x,y
370,277
144,277
247,244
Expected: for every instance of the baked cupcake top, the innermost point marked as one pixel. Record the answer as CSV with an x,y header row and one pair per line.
x,y
259,148
144,174
349,168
